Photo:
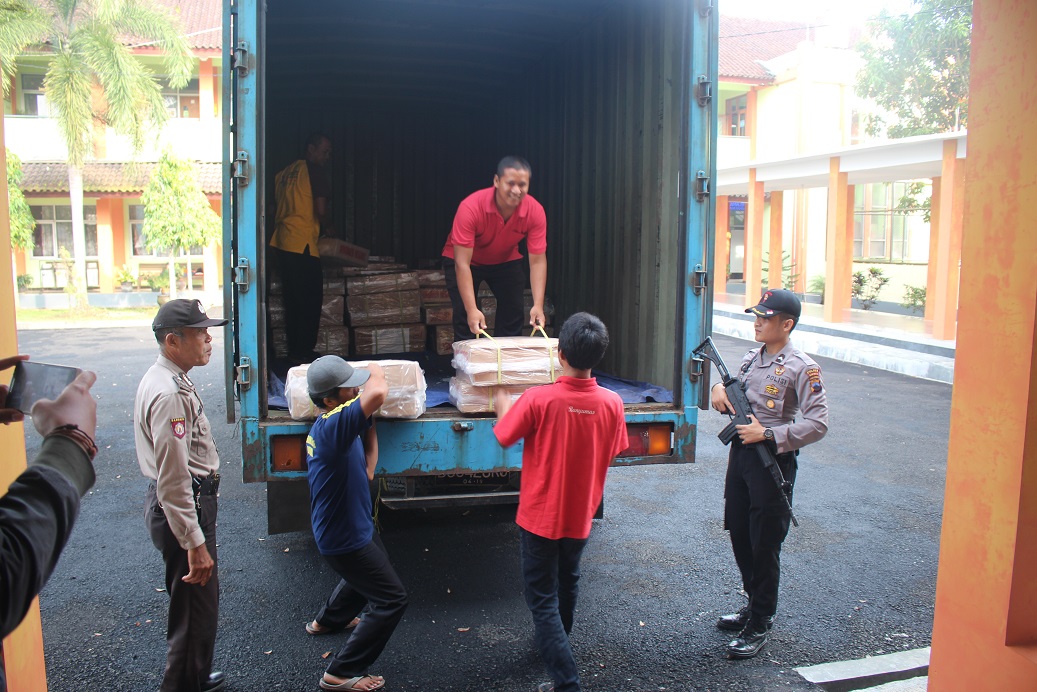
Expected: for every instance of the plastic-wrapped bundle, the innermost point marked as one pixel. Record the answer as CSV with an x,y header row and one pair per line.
x,y
383,308
507,360
470,398
431,277
335,251
404,338
381,283
406,398
333,341
332,310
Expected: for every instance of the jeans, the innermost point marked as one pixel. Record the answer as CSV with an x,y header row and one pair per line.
x,y
551,569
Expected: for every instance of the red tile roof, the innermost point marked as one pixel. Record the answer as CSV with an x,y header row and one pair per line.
x,y
108,177
202,21
744,42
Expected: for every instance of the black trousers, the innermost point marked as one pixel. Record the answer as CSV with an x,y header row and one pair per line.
x,y
193,609
758,522
507,282
303,280
367,579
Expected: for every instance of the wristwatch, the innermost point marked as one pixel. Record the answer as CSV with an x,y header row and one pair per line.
x,y
768,434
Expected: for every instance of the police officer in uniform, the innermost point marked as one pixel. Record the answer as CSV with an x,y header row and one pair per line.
x,y
785,389
177,454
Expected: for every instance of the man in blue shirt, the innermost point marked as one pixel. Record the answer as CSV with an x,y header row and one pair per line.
x,y
341,455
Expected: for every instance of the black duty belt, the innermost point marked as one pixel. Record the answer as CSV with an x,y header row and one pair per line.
x,y
208,485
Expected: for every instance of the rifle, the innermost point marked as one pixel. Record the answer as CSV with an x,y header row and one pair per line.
x,y
736,394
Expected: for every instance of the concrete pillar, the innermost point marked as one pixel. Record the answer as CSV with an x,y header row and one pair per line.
x,y
722,249
839,245
23,648
206,94
754,241
774,250
106,260
212,262
948,243
800,236
985,629
934,237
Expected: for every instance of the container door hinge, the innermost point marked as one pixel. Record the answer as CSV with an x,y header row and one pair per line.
x,y
239,59
241,275
240,169
699,279
243,372
705,8
704,91
695,369
701,186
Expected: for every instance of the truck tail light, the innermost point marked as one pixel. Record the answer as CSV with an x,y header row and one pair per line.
x,y
651,439
288,452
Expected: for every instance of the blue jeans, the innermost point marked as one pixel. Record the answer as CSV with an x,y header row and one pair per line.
x,y
551,569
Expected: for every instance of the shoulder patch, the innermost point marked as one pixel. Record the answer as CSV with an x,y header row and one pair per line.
x,y
814,377
179,427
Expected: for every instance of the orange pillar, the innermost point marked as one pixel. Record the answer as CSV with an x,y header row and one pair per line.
x,y
722,245
934,250
839,245
774,253
206,94
799,255
23,649
948,243
106,255
985,629
754,241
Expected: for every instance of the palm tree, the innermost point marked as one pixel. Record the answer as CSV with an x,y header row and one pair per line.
x,y
93,78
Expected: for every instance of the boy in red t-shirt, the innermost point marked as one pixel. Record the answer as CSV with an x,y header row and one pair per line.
x,y
572,430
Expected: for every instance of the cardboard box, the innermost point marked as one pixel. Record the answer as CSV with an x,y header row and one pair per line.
x,y
406,398
332,311
381,283
438,314
384,308
431,278
404,338
280,342
333,341
434,295
334,251
444,338
507,360
470,398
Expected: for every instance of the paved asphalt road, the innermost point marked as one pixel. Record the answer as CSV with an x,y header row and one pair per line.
x,y
858,575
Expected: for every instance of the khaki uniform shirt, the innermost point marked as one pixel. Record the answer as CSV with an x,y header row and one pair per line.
x,y
174,443
787,395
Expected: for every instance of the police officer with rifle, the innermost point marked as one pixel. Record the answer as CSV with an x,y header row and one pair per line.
x,y
778,405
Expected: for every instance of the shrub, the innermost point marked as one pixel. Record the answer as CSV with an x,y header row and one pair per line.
x,y
914,298
24,281
866,287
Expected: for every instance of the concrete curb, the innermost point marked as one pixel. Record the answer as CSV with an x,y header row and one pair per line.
x,y
888,672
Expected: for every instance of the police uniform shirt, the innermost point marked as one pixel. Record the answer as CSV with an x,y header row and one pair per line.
x,y
787,395
174,442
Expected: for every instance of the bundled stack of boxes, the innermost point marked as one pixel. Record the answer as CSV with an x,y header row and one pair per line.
x,y
384,311
512,364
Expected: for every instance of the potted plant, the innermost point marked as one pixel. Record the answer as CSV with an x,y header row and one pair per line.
x,y
160,283
125,278
24,282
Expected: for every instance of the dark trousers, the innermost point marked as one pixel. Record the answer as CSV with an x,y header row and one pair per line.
x,y
303,281
193,609
507,282
367,579
758,521
551,570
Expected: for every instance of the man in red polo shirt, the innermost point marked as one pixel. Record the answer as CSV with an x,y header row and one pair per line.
x,y
483,246
573,429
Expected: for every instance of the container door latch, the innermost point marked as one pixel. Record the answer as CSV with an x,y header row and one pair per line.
x,y
243,372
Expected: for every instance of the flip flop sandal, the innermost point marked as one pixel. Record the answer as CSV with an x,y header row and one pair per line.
x,y
350,685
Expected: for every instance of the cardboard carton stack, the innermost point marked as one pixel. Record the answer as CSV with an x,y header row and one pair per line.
x,y
384,312
332,336
406,397
515,363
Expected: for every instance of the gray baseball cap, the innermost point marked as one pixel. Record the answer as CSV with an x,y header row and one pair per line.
x,y
331,372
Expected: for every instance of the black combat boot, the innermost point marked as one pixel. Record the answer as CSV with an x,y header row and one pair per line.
x,y
734,622
751,639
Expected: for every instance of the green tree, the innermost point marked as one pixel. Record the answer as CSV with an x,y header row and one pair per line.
x,y
916,67
177,215
93,78
22,223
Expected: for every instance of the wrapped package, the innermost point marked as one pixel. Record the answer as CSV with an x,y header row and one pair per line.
x,y
431,278
334,286
333,341
383,308
280,339
444,336
335,251
332,310
438,314
406,398
507,360
275,310
434,295
381,283
404,338
470,398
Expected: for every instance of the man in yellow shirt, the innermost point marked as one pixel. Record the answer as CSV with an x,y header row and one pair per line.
x,y
302,193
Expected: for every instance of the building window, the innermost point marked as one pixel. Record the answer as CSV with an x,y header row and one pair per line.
x,y
736,117
890,222
140,241
54,230
181,103
34,101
